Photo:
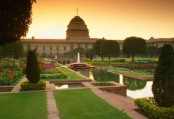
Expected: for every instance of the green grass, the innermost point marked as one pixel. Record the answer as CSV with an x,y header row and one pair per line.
x,y
139,74
71,76
127,59
84,104
143,74
23,106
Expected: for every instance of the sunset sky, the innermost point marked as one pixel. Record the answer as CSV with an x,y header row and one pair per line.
x,y
112,19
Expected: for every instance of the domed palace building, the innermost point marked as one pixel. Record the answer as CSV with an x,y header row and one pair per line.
x,y
77,35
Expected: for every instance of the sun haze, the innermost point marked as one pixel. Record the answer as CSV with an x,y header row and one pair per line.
x,y
112,19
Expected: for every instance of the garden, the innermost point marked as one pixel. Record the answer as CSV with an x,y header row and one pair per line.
x,y
11,71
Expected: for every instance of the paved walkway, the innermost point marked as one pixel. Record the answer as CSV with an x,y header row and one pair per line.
x,y
120,102
17,88
53,112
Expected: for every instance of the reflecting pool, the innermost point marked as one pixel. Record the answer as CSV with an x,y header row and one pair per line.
x,y
66,86
135,88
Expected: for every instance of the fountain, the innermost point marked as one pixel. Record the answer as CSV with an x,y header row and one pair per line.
x,y
78,58
55,57
79,65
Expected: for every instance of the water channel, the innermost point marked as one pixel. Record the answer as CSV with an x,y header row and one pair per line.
x,y
135,88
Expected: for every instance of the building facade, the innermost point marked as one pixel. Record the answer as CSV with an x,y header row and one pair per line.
x,y
77,35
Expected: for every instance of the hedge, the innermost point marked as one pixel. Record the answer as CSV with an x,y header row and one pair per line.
x,y
53,76
154,111
26,86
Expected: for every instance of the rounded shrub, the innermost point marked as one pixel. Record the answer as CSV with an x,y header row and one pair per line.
x,y
26,86
32,68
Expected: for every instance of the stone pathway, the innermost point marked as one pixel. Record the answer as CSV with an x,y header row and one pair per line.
x,y
120,102
53,112
17,88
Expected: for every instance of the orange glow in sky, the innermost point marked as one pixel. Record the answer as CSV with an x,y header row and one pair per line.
x,y
112,19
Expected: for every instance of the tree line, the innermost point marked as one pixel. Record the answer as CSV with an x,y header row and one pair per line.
x,y
131,46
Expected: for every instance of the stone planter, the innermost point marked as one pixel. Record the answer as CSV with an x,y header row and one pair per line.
x,y
6,88
115,88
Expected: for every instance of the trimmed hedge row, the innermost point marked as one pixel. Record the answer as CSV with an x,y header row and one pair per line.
x,y
26,86
53,76
102,84
152,110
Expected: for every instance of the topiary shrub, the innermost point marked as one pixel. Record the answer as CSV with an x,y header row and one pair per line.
x,y
27,86
163,83
32,68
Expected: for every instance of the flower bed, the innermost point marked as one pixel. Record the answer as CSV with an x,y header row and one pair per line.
x,y
56,73
48,65
10,71
149,107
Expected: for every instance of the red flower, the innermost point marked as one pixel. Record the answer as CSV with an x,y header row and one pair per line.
x,y
11,76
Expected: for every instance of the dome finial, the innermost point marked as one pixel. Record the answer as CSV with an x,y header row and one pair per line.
x,y
77,11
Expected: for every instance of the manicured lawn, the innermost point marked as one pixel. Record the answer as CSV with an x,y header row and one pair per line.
x,y
84,104
127,59
72,75
143,74
23,106
139,74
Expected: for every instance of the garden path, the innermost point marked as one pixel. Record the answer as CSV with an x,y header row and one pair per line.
x,y
120,102
17,88
53,112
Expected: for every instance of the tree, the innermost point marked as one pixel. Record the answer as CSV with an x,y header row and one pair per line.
x,y
97,48
13,49
15,18
152,51
163,83
110,47
80,50
134,45
89,54
32,68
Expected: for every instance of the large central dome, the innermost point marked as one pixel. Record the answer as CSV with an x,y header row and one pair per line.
x,y
77,29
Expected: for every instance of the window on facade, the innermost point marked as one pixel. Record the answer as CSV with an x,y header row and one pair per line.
x,y
36,47
71,47
29,47
43,47
57,47
65,48
50,47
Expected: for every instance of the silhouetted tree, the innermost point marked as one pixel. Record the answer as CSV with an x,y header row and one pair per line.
x,y
110,47
163,83
32,67
13,49
15,18
97,48
152,51
134,45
